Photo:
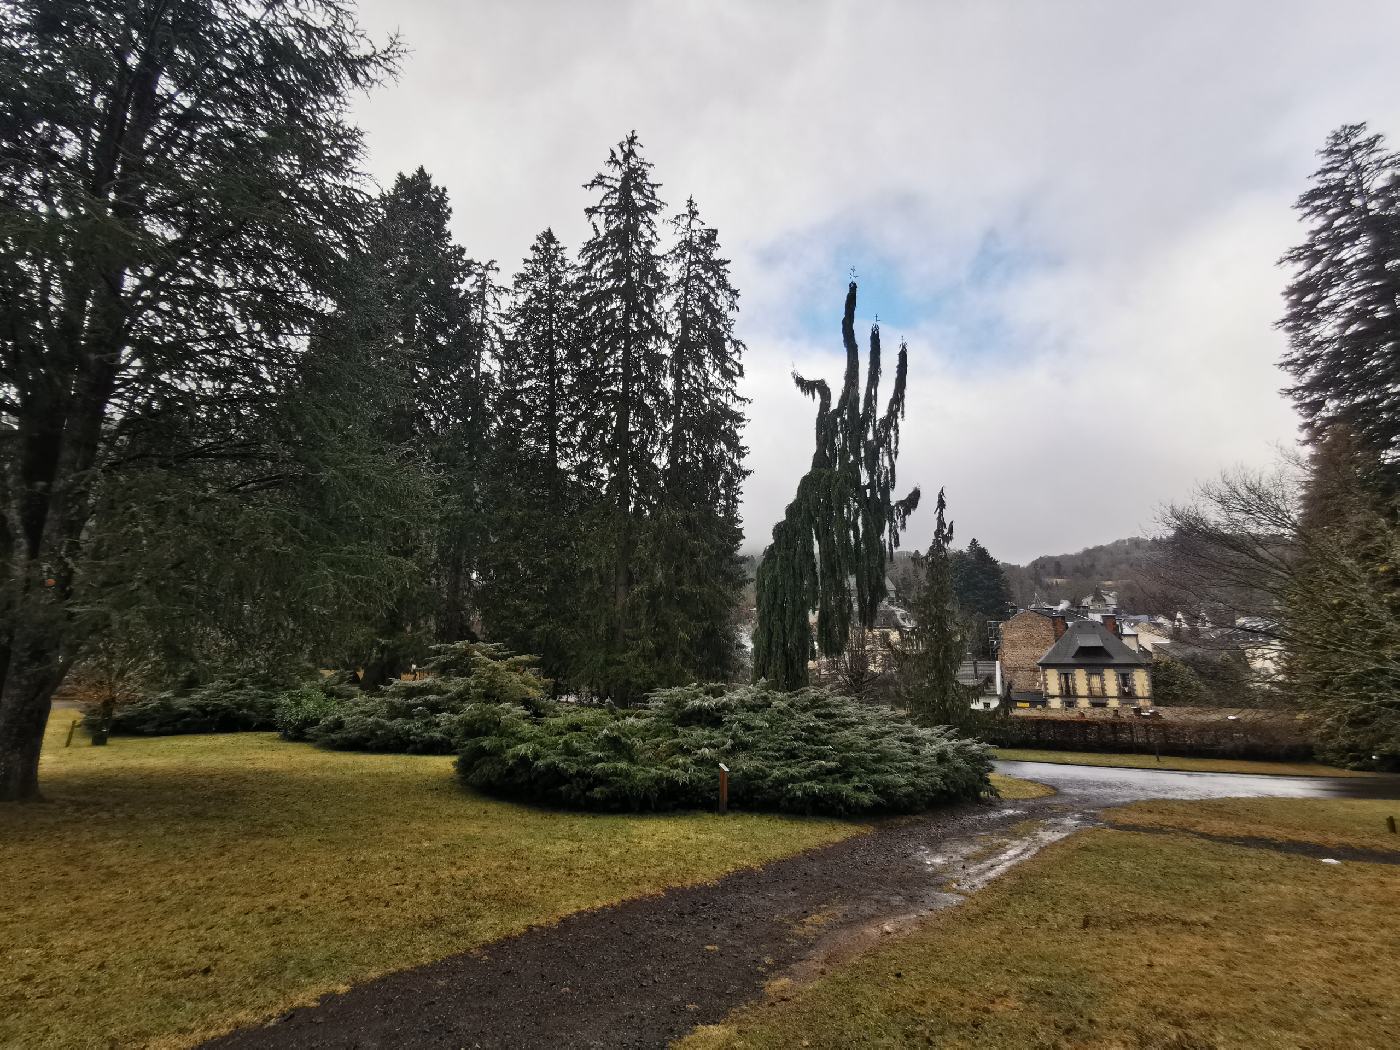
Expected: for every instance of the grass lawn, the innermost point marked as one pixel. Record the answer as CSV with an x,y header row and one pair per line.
x,y
1122,939
1014,788
174,888
1176,762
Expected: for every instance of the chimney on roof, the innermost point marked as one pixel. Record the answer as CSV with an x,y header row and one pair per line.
x,y
1111,622
1060,626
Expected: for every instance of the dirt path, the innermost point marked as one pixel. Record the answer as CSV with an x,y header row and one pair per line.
x,y
642,973
647,971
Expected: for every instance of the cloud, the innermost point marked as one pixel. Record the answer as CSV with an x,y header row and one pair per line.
x,y
1072,211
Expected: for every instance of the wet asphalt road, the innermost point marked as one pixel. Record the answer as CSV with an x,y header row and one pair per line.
x,y
1107,786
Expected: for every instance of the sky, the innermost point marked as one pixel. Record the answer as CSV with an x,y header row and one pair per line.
x,y
1071,212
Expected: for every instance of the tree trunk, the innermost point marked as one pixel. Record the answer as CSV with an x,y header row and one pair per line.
x,y
34,671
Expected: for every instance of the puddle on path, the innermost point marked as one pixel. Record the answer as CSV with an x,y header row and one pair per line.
x,y
956,869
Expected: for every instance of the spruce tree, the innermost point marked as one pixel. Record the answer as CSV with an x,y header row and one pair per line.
x,y
424,334
981,590
1343,303
531,568
693,572
423,286
465,460
622,324
931,653
829,551
540,370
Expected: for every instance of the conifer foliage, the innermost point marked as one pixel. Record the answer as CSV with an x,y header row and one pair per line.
x,y
621,308
830,550
254,417
808,751
1343,312
660,453
695,575
982,591
530,570
930,654
182,190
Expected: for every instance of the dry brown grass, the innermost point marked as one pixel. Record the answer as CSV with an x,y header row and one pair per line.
x,y
1358,823
1015,788
1121,939
173,888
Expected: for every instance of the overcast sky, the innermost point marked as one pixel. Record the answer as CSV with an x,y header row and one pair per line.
x,y
1071,211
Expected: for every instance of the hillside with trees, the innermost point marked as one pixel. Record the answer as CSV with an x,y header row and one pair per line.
x,y
1128,566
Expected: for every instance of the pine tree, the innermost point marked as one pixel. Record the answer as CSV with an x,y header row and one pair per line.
x,y
465,460
829,551
1343,312
540,373
929,659
424,333
623,329
329,520
981,590
694,576
531,566
423,285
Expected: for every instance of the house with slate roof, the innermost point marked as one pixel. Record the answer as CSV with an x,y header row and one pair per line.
x,y
1091,666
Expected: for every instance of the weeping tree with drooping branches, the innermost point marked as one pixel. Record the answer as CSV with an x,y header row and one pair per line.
x,y
830,550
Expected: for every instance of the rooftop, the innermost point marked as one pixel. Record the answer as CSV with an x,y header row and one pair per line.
x,y
1088,643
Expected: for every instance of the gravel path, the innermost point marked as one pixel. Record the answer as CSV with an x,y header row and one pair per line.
x,y
644,972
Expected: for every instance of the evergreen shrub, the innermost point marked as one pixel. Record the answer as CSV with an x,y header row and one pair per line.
x,y
300,710
221,706
810,751
422,716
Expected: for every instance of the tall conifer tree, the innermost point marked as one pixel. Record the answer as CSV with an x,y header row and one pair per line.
x,y
530,590
425,332
181,183
981,590
466,460
932,652
829,551
424,275
623,328
1343,312
694,572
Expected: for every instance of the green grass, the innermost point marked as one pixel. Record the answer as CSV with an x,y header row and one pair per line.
x,y
173,888
1120,939
1178,763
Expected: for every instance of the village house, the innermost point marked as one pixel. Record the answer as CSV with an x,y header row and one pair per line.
x,y
1089,665
1054,658
982,680
1024,639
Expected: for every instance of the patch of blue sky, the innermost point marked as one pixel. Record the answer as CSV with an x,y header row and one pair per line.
x,y
906,297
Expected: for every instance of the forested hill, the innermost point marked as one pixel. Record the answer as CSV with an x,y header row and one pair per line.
x,y
1122,565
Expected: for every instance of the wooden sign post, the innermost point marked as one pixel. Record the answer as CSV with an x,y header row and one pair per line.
x,y
723,788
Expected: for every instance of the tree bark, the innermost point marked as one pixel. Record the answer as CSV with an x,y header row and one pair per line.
x,y
35,669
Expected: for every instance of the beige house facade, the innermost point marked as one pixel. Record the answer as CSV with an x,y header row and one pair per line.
x,y
1090,666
